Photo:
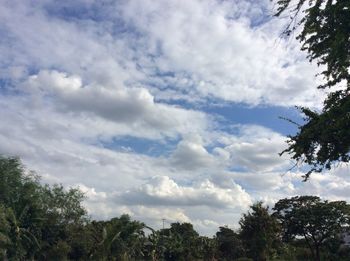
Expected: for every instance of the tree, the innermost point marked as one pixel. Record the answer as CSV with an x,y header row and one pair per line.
x,y
315,220
324,138
37,220
229,244
208,248
181,242
122,239
21,201
63,214
5,227
260,233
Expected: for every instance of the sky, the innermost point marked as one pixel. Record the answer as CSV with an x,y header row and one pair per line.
x,y
158,109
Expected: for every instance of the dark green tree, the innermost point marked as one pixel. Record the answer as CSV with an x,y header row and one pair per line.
x,y
260,233
318,222
21,201
208,248
229,244
324,137
122,239
64,215
5,229
181,242
38,220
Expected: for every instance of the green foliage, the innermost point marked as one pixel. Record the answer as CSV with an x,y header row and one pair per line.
x,y
229,244
63,216
181,242
260,233
122,239
41,222
4,231
318,222
325,34
20,198
207,248
324,137
36,220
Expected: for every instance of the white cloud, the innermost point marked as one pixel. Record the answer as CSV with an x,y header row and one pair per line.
x,y
162,190
222,57
132,106
155,214
256,149
190,154
210,48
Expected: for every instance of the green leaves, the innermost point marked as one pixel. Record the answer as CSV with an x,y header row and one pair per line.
x,y
325,34
35,220
230,245
325,137
5,227
181,242
49,223
120,238
259,232
316,220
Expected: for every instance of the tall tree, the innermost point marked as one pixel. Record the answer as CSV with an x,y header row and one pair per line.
x,y
260,233
122,239
5,229
324,137
315,220
63,215
229,244
181,242
208,248
21,200
38,219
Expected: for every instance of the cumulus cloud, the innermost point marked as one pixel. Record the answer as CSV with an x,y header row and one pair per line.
x,y
190,154
256,149
132,106
162,190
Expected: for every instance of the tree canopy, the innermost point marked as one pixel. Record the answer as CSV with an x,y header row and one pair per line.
x,y
324,137
315,220
230,245
35,220
259,232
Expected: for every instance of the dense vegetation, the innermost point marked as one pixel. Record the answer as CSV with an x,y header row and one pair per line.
x,y
41,222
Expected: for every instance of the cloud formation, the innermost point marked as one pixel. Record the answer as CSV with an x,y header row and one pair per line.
x,y
218,53
88,89
162,190
131,106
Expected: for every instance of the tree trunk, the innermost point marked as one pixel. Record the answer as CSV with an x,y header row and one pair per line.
x,y
314,255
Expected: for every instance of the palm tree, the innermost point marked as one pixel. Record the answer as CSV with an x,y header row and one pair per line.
x,y
23,243
4,232
122,239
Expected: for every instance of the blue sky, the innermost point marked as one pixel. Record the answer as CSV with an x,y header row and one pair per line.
x,y
158,109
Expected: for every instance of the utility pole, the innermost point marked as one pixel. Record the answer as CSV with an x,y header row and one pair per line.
x,y
163,219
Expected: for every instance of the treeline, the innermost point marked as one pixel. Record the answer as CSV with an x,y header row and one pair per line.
x,y
41,222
